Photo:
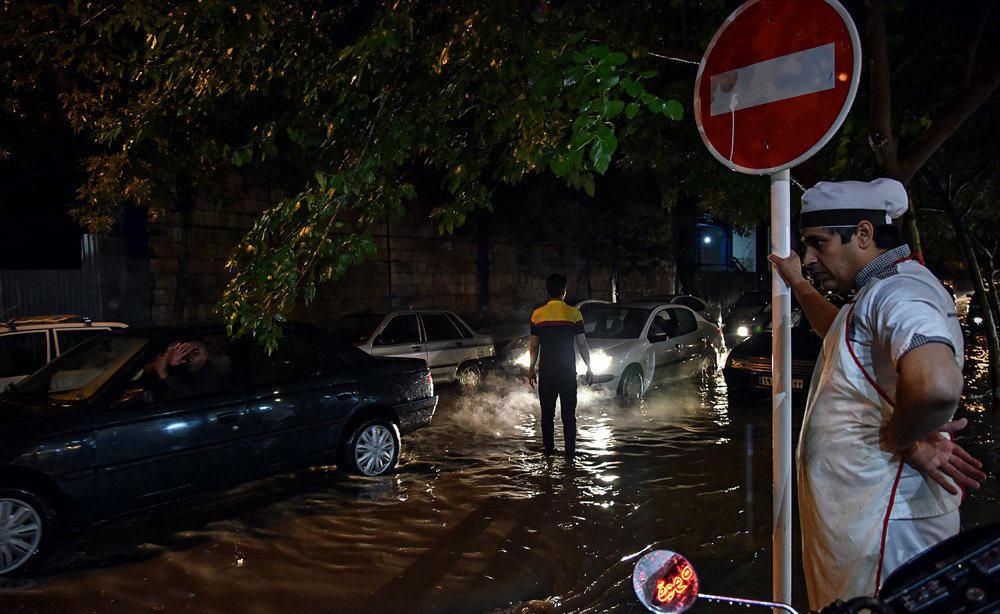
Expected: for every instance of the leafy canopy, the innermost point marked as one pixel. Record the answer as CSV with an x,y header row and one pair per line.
x,y
337,104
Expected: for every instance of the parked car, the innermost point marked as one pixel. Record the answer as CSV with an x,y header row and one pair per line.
x,y
98,431
748,366
27,344
738,323
517,324
696,303
634,346
454,352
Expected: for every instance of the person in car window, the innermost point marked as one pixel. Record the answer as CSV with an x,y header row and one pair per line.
x,y
556,335
879,475
185,369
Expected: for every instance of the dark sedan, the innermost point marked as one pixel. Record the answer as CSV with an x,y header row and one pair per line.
x,y
748,367
130,419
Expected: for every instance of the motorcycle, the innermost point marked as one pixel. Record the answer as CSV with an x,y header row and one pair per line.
x,y
960,574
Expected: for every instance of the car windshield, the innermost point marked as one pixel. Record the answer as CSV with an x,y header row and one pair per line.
x,y
611,322
357,327
78,374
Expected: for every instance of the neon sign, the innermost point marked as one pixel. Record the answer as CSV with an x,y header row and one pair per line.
x,y
670,589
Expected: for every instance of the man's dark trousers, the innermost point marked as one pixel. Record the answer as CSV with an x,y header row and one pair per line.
x,y
549,389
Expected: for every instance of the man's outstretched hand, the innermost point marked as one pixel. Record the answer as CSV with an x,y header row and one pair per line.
x,y
938,457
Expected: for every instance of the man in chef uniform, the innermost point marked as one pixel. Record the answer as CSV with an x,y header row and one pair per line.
x,y
879,478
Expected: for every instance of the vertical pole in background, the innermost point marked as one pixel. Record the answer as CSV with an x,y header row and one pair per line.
x,y
781,382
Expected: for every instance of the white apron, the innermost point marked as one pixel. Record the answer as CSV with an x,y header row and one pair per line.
x,y
848,485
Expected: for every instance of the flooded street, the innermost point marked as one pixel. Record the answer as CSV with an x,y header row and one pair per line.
x,y
475,519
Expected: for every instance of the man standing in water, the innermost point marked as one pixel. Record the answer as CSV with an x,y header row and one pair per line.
x,y
879,476
556,335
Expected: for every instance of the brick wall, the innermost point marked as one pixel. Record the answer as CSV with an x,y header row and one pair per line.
x,y
413,267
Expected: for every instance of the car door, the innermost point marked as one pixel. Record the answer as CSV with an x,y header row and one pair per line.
x,y
152,445
400,336
446,346
690,343
300,396
662,331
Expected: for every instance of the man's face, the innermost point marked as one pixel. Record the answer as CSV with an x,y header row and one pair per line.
x,y
831,263
197,357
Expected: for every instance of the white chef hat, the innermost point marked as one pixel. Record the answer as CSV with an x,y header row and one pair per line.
x,y
845,203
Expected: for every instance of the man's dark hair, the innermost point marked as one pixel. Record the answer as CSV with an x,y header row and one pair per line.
x,y
555,285
886,236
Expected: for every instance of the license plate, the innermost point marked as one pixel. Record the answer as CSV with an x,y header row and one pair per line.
x,y
765,380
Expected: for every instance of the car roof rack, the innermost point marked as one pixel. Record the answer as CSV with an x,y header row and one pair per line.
x,y
50,319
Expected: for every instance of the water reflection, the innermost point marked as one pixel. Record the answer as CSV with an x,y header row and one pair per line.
x,y
475,520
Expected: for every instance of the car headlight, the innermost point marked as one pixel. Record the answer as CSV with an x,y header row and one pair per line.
x,y
743,331
977,320
599,363
523,359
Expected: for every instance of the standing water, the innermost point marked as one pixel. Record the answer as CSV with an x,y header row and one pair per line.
x,y
475,519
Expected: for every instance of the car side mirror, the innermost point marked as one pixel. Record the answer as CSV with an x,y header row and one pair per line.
x,y
657,337
134,396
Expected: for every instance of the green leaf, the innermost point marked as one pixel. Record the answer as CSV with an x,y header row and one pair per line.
x,y
561,165
674,110
631,109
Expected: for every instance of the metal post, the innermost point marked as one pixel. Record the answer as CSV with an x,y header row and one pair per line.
x,y
781,400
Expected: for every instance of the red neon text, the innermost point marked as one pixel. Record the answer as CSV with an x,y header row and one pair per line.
x,y
669,589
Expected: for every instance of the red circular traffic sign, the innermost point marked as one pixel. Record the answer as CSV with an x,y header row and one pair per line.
x,y
776,82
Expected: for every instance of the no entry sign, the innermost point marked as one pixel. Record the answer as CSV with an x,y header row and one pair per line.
x,y
776,83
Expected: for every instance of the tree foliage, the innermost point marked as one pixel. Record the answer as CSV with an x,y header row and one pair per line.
x,y
348,107
338,104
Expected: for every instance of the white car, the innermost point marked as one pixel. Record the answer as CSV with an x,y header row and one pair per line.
x,y
28,344
452,349
636,345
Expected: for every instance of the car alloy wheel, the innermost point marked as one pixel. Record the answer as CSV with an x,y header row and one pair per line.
x,y
22,527
469,376
374,448
631,387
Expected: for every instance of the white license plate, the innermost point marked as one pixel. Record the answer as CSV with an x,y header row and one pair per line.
x,y
765,380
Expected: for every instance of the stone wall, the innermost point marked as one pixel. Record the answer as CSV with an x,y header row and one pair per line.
x,y
480,279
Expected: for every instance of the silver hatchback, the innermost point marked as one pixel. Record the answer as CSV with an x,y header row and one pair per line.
x,y
453,350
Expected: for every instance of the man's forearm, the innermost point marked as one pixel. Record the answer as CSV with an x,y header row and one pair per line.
x,y
820,312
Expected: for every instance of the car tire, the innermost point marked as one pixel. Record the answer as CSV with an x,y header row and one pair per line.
x,y
630,387
469,376
372,449
27,526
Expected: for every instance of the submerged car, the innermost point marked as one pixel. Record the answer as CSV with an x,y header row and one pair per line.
x,y
27,344
453,351
748,366
634,346
139,417
738,323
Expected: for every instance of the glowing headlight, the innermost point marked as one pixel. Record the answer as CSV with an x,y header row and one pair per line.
x,y
599,363
743,331
977,320
523,360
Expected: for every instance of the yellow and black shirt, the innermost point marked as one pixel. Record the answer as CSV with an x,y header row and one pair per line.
x,y
556,325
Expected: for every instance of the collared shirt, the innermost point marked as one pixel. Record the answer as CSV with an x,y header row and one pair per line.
x,y
556,325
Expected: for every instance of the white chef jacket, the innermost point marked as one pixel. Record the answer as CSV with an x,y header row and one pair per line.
x,y
849,485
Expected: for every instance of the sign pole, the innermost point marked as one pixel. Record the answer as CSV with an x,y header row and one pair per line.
x,y
776,82
781,400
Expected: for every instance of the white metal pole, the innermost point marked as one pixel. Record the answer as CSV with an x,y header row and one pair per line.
x,y
781,383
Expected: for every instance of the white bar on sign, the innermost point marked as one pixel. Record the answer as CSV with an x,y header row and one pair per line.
x,y
781,78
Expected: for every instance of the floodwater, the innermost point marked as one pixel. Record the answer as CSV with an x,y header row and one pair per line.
x,y
475,519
